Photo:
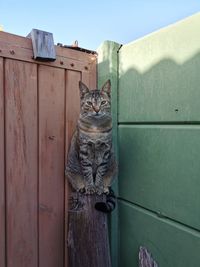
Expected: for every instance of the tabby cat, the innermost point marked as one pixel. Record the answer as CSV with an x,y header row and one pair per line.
x,y
91,164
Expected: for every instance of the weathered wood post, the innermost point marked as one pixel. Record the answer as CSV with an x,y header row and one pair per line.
x,y
43,45
88,243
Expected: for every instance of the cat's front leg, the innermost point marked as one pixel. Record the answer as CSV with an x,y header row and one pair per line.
x,y
99,178
88,178
89,183
86,166
102,159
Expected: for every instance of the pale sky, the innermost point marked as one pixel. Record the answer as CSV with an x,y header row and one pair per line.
x,y
92,22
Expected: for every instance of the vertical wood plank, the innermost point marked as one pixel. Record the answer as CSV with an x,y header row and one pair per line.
x,y
21,163
93,73
89,77
72,113
85,77
2,176
72,103
51,166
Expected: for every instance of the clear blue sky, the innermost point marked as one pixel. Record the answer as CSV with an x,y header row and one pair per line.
x,y
92,22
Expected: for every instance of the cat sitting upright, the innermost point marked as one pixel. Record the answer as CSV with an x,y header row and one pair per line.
x,y
91,164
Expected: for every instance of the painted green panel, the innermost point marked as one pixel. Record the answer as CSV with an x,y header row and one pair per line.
x,y
160,169
159,75
108,69
171,244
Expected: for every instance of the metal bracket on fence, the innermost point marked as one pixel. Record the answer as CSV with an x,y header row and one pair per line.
x,y
43,45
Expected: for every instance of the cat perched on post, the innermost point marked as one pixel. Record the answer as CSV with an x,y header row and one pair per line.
x,y
91,164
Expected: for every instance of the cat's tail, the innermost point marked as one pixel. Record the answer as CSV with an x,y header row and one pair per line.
x,y
110,203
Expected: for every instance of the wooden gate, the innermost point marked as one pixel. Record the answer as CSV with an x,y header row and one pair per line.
x,y
39,106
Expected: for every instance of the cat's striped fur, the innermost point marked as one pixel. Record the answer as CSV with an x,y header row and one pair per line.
x,y
91,164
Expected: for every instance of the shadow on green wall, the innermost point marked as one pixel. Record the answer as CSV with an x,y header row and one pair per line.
x,y
166,94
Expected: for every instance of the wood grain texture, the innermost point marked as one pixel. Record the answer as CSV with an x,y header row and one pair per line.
x,y
72,113
85,78
90,77
43,45
21,163
49,100
26,43
51,166
72,103
17,47
2,171
93,73
88,242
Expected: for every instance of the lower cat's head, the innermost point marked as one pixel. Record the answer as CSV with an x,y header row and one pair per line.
x,y
95,103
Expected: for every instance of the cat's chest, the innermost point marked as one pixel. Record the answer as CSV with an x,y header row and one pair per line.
x,y
95,139
96,144
96,147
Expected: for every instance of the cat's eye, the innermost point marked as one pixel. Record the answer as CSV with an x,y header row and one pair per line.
x,y
103,102
89,103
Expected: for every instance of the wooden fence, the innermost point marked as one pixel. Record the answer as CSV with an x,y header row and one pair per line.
x,y
39,106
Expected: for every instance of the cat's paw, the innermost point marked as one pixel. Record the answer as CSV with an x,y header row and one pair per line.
x,y
82,190
106,190
99,190
90,189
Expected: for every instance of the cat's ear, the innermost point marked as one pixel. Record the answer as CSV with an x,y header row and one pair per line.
x,y
107,87
83,89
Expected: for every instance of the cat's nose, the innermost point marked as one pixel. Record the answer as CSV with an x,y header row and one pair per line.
x,y
96,109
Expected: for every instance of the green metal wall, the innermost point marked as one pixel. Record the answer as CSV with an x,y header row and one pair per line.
x,y
108,69
157,128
